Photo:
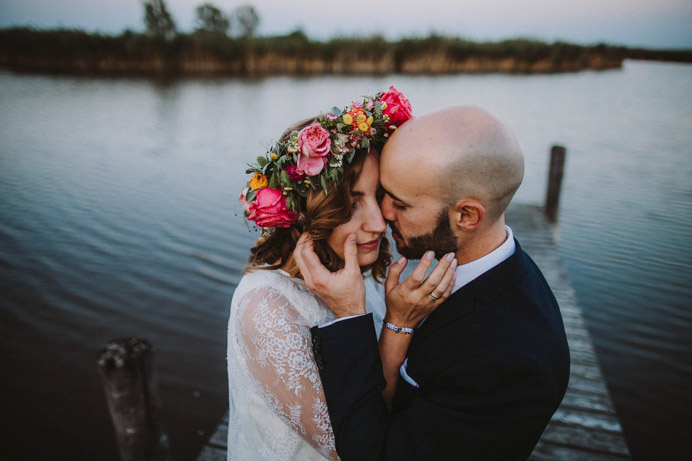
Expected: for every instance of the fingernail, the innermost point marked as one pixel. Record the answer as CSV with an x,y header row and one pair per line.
x,y
454,276
430,254
352,238
450,256
401,260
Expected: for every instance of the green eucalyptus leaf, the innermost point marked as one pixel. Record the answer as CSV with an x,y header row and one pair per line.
x,y
250,195
323,182
274,181
285,179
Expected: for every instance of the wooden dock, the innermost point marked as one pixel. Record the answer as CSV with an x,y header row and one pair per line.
x,y
585,427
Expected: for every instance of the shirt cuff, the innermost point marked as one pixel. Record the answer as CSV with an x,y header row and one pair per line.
x,y
323,325
404,374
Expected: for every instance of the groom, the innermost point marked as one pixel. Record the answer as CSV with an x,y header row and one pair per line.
x,y
480,376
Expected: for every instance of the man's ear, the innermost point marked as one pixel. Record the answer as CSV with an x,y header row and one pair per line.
x,y
468,215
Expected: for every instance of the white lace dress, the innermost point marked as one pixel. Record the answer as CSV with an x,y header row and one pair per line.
x,y
277,409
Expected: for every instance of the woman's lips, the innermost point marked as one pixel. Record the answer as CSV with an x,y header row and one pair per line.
x,y
370,245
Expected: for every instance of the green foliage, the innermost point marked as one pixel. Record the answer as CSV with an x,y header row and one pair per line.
x,y
211,20
158,21
65,50
247,20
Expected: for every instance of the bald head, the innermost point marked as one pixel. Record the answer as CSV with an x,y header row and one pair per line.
x,y
458,153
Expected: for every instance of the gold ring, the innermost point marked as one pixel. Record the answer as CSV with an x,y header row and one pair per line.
x,y
434,296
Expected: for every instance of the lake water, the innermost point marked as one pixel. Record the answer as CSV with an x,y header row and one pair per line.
x,y
118,217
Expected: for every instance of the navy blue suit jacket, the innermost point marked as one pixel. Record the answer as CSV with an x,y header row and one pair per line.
x,y
492,364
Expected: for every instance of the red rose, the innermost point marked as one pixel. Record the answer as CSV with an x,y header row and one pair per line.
x,y
269,209
398,107
293,174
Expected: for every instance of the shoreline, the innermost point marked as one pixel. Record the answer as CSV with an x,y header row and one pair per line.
x,y
216,55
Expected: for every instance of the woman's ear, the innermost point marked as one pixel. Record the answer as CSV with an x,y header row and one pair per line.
x,y
468,215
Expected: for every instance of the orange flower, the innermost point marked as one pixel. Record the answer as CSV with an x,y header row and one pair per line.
x,y
258,181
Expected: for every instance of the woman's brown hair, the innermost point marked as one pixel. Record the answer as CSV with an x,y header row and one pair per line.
x,y
323,213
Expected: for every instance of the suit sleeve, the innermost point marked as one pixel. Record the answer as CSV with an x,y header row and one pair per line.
x,y
351,371
448,419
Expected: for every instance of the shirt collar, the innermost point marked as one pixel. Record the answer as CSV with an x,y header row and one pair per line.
x,y
468,272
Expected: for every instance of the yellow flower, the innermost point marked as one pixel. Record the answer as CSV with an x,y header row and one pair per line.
x,y
361,118
274,156
364,127
292,150
348,119
258,181
369,121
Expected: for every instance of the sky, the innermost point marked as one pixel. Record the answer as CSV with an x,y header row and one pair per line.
x,y
647,23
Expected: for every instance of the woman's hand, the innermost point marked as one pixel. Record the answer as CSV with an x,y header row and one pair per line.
x,y
342,291
412,300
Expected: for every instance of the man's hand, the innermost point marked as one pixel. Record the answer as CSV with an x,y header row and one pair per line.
x,y
415,298
344,290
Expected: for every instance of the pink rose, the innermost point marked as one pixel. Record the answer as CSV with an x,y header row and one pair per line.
x,y
398,107
246,206
314,144
293,174
269,209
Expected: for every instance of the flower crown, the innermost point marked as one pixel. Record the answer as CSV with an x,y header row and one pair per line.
x,y
313,157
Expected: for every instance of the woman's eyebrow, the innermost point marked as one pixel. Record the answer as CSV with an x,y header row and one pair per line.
x,y
357,193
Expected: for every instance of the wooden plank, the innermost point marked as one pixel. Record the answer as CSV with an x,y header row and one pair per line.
x,y
576,437
210,453
587,420
220,436
551,452
588,402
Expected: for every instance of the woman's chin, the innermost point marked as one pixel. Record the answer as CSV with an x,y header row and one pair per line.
x,y
369,258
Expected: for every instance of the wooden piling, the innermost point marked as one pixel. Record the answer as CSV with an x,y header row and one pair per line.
x,y
126,366
552,199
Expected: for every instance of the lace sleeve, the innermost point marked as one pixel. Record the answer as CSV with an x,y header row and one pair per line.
x,y
277,347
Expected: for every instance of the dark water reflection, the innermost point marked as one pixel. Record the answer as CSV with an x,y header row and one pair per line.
x,y
118,217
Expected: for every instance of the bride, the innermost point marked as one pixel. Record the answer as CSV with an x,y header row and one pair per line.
x,y
322,179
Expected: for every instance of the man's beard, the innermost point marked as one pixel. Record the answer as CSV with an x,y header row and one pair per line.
x,y
441,240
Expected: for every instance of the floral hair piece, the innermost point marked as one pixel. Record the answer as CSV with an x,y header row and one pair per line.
x,y
313,157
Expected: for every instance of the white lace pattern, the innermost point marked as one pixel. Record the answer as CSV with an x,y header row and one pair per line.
x,y
277,409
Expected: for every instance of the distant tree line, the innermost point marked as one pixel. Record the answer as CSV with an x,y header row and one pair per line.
x,y
209,19
228,44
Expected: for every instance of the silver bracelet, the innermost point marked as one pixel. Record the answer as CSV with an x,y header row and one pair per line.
x,y
398,329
